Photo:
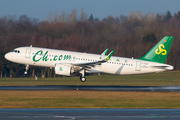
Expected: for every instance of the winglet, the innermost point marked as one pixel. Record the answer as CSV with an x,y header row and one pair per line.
x,y
104,53
110,54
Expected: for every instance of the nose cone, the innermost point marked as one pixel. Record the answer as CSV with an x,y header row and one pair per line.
x,y
8,56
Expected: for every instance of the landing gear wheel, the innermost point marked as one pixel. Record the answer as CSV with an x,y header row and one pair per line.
x,y
83,79
82,73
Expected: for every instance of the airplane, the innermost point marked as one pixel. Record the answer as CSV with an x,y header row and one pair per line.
x,y
68,62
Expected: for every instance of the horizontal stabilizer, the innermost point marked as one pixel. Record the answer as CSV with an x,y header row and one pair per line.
x,y
169,67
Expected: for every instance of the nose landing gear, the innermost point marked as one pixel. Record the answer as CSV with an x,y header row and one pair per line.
x,y
27,67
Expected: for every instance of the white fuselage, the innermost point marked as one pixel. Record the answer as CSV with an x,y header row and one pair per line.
x,y
116,65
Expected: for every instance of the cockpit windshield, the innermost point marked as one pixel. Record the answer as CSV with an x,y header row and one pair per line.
x,y
16,51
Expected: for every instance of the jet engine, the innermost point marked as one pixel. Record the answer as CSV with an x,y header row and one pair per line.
x,y
62,69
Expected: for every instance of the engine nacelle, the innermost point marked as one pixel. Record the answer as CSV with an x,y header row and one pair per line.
x,y
62,69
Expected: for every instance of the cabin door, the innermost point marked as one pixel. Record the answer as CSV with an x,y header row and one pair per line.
x,y
138,65
28,53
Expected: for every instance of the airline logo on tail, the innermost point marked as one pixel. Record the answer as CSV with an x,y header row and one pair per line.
x,y
161,50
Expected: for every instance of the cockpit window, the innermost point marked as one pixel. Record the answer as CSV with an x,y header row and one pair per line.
x,y
16,51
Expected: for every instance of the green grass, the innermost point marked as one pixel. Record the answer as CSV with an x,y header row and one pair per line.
x,y
171,78
92,99
88,99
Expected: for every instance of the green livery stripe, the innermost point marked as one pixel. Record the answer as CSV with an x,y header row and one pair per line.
x,y
160,51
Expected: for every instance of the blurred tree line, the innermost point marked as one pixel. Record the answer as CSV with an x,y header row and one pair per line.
x,y
129,36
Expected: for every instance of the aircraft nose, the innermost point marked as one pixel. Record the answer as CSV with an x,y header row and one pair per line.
x,y
7,56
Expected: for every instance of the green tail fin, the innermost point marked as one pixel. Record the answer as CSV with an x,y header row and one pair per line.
x,y
160,51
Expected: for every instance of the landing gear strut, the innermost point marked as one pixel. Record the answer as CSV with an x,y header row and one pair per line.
x,y
82,78
27,67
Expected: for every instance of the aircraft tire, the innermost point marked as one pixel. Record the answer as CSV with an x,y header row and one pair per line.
x,y
83,79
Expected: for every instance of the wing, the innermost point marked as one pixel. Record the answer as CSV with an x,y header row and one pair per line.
x,y
92,64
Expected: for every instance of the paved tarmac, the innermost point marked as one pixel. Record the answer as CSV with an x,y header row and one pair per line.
x,y
95,88
89,114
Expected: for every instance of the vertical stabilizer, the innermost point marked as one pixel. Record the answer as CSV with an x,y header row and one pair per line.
x,y
160,51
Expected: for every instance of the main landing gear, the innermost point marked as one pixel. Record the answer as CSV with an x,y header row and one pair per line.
x,y
82,78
